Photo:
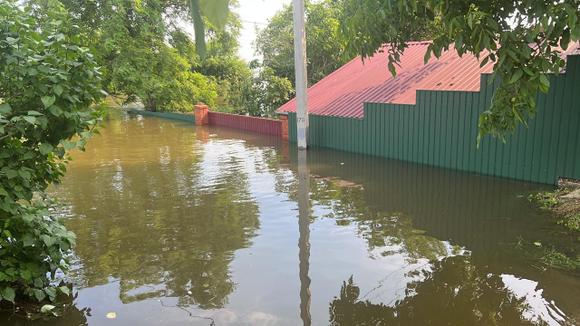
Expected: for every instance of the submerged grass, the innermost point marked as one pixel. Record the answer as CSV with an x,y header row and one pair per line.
x,y
554,258
564,201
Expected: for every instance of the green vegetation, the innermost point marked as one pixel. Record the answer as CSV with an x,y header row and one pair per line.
x,y
494,31
566,206
326,50
546,199
214,11
47,86
128,39
564,203
551,257
146,55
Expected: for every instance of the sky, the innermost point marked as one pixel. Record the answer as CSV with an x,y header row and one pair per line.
x,y
254,13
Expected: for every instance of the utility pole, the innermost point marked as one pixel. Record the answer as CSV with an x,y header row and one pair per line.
x,y
300,70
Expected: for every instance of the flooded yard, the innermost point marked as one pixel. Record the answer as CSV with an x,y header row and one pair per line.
x,y
184,225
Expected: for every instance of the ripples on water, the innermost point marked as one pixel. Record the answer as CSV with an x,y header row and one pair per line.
x,y
185,225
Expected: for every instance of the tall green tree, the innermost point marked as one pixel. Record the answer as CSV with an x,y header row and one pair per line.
x,y
325,49
129,39
523,39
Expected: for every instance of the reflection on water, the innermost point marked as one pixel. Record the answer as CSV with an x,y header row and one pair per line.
x,y
455,291
179,224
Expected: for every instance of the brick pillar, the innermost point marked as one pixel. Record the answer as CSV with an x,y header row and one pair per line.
x,y
284,128
201,114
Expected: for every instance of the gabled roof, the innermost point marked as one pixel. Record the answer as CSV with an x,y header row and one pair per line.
x,y
343,92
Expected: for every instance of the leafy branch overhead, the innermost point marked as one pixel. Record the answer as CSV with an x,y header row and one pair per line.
x,y
523,39
215,11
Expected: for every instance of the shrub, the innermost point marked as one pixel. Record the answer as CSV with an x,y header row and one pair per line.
x,y
160,78
47,85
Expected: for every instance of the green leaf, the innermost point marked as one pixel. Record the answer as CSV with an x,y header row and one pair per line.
x,y
55,110
11,173
216,11
39,294
24,174
544,83
68,145
48,240
29,119
5,108
38,282
516,76
47,309
57,90
35,113
64,290
392,69
27,240
45,148
48,101
51,292
8,294
565,40
575,34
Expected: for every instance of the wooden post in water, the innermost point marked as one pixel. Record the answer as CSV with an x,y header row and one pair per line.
x,y
300,70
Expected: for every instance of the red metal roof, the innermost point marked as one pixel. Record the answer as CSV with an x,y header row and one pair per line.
x,y
343,92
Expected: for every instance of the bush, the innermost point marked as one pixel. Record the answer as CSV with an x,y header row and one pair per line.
x,y
160,78
47,85
234,81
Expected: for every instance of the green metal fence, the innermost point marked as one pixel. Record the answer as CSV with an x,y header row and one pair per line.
x,y
441,130
187,117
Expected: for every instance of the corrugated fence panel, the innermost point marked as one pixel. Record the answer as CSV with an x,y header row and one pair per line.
x,y
441,130
255,124
187,117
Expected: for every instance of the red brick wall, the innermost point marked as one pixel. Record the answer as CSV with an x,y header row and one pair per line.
x,y
260,125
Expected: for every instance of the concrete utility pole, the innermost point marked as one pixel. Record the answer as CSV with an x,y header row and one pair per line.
x,y
300,70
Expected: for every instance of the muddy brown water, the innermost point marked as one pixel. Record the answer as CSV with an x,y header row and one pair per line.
x,y
184,225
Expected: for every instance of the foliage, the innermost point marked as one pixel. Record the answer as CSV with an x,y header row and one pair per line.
x,y
131,42
521,38
161,79
215,11
571,222
546,199
566,207
233,79
551,257
268,92
47,85
325,50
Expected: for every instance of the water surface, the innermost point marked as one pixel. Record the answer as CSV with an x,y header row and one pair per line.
x,y
184,225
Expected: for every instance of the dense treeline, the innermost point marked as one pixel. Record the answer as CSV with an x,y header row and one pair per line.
x,y
147,54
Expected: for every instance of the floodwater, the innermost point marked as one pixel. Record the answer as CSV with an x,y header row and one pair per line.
x,y
184,225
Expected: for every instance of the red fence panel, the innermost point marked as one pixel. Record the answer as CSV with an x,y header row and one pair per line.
x,y
255,124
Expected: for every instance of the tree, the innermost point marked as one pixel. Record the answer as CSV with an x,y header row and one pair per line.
x,y
268,92
325,50
522,38
129,39
47,86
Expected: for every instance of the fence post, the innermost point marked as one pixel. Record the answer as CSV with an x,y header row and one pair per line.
x,y
283,125
201,114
